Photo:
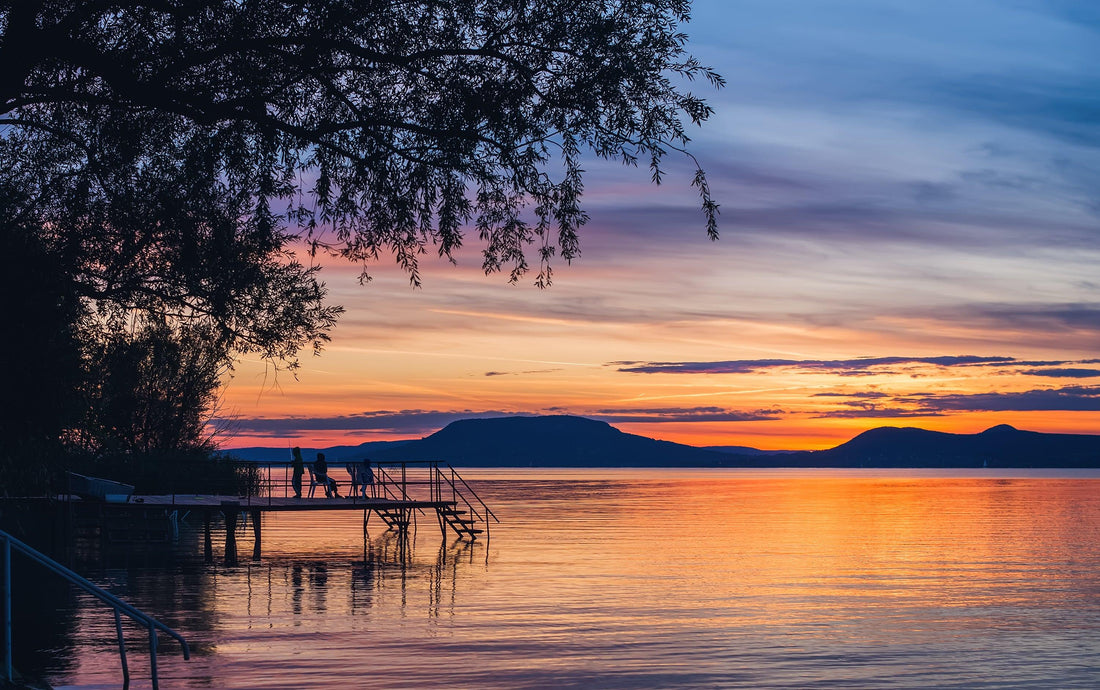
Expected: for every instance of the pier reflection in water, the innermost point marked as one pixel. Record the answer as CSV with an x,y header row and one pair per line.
x,y
306,611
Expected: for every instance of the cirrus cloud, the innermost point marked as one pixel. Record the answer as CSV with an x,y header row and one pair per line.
x,y
860,366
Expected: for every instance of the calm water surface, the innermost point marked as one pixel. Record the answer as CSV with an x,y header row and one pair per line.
x,y
625,578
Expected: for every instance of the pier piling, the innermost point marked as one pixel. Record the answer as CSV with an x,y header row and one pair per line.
x,y
256,534
229,509
207,541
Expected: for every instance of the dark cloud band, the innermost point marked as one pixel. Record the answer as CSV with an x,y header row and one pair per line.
x,y
839,366
1069,399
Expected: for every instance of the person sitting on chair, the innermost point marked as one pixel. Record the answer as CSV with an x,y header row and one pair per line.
x,y
320,468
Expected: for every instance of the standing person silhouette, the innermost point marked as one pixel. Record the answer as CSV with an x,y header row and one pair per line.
x,y
298,468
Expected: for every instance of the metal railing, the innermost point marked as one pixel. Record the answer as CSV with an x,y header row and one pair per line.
x,y
457,494
9,543
397,481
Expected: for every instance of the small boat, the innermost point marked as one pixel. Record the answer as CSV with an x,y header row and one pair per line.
x,y
98,489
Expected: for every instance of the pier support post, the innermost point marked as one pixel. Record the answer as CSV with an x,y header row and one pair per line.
x,y
442,522
207,542
7,602
230,511
256,534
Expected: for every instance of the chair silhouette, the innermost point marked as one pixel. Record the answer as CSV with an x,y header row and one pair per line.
x,y
362,479
313,483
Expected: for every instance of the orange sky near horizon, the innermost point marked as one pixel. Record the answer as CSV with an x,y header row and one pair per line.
x,y
403,362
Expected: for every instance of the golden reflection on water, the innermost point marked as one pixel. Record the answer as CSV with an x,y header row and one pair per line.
x,y
653,578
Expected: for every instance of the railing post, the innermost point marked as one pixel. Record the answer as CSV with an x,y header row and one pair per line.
x,y
122,650
207,541
8,676
153,655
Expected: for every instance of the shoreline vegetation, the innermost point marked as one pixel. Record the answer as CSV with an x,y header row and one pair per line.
x,y
185,471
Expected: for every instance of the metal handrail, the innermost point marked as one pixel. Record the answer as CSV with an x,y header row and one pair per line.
x,y
384,480
456,475
440,477
151,624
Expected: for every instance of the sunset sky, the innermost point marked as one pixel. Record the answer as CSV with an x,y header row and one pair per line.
x,y
910,236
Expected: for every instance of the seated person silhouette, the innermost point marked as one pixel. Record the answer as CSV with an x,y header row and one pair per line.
x,y
320,469
362,478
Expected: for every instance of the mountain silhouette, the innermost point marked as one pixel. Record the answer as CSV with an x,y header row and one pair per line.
x,y
999,446
568,441
549,441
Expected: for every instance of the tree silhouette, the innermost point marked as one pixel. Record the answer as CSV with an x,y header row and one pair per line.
x,y
387,126
157,389
165,155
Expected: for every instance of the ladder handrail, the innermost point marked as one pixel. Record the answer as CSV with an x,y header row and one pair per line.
x,y
469,488
153,625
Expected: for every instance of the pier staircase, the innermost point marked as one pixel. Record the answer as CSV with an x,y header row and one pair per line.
x,y
460,508
457,506
459,521
395,517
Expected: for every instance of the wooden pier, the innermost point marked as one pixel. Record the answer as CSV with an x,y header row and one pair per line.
x,y
399,491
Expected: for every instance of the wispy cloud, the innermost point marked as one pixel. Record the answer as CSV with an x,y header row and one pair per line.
x,y
683,414
875,413
861,394
388,421
1043,318
521,373
844,367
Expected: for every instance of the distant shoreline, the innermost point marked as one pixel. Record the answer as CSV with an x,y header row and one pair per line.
x,y
561,441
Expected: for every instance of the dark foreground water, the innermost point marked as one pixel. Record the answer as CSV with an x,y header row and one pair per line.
x,y
782,579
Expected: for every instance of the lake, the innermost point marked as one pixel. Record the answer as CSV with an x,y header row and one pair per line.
x,y
636,578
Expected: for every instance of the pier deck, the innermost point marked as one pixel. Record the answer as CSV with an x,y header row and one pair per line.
x,y
396,492
281,503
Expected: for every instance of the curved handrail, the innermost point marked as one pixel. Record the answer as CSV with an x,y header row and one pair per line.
x,y
153,625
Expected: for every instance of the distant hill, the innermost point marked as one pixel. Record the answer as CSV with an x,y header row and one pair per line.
x,y
744,450
549,441
566,441
999,446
